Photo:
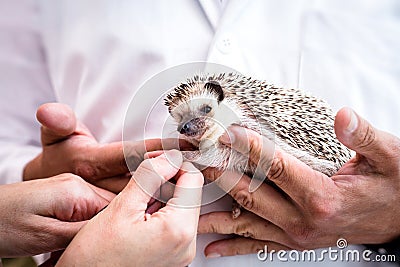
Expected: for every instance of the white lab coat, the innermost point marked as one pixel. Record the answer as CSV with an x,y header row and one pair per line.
x,y
94,54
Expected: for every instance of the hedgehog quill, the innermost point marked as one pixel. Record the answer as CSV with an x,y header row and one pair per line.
x,y
299,123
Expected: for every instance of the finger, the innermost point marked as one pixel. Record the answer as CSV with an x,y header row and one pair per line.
x,y
298,180
117,158
359,135
105,194
247,225
239,246
153,154
134,152
266,201
185,204
188,187
183,208
259,150
293,176
148,178
114,159
58,121
105,160
114,184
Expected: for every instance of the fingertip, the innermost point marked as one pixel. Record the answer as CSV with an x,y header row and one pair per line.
x,y
165,165
346,121
57,117
213,255
238,138
211,251
174,157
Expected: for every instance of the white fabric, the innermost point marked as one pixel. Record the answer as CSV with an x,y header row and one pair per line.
x,y
94,54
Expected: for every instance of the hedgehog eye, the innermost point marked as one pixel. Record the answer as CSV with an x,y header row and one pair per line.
x,y
205,109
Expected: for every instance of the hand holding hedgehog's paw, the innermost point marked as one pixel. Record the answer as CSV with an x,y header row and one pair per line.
x,y
299,123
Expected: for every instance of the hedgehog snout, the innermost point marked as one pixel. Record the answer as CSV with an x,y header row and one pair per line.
x,y
192,127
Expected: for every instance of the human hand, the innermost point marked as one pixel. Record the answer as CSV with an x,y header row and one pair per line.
x,y
358,203
68,146
44,215
124,235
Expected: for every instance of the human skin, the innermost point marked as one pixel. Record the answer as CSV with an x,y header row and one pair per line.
x,y
358,203
44,215
69,146
124,235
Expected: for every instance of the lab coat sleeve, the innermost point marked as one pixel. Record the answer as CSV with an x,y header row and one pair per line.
x,y
24,85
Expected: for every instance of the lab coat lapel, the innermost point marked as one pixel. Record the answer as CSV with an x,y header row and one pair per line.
x,y
212,12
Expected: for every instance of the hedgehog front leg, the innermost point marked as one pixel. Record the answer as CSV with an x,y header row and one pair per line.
x,y
213,157
222,158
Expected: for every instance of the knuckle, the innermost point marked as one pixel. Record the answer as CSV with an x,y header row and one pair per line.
x,y
70,179
244,198
298,230
255,148
186,236
84,168
277,172
75,187
321,208
245,230
212,174
212,225
368,138
301,233
180,236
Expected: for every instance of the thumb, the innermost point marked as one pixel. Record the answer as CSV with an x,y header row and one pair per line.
x,y
147,179
359,135
58,121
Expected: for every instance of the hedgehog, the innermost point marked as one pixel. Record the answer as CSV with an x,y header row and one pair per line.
x,y
205,105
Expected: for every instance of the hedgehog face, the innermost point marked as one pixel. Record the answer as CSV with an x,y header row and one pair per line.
x,y
201,113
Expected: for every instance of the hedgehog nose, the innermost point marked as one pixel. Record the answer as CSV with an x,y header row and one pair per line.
x,y
187,128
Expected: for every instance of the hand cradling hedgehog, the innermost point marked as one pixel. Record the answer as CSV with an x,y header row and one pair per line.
x,y
299,123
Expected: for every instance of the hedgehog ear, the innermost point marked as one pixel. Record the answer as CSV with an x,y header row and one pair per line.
x,y
216,88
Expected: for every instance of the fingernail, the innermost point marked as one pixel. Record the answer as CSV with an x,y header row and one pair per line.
x,y
146,155
213,255
172,153
352,126
227,138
